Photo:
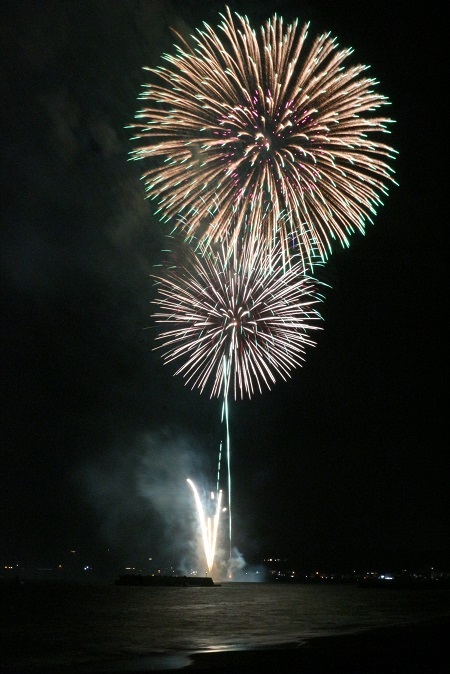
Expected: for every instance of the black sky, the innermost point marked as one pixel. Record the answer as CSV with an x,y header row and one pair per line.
x,y
345,463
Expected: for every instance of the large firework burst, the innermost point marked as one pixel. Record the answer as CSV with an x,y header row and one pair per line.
x,y
234,316
281,135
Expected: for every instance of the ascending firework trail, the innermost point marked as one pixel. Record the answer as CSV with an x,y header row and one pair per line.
x,y
227,431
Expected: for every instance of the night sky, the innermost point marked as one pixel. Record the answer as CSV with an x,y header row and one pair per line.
x,y
345,464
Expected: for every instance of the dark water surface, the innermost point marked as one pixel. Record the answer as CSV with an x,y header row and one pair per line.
x,y
113,628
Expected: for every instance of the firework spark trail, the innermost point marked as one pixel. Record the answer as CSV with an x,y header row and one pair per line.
x,y
284,136
209,528
235,316
224,420
227,429
219,462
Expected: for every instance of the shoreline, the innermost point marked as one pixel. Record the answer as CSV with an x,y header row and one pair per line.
x,y
403,649
418,647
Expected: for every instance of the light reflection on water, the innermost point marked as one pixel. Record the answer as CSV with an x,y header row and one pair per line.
x,y
51,624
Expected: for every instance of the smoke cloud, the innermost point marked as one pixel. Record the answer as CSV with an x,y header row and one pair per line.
x,y
143,503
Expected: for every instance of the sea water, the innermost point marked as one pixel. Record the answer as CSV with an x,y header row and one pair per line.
x,y
45,625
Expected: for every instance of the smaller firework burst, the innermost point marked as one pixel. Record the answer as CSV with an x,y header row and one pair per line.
x,y
234,316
